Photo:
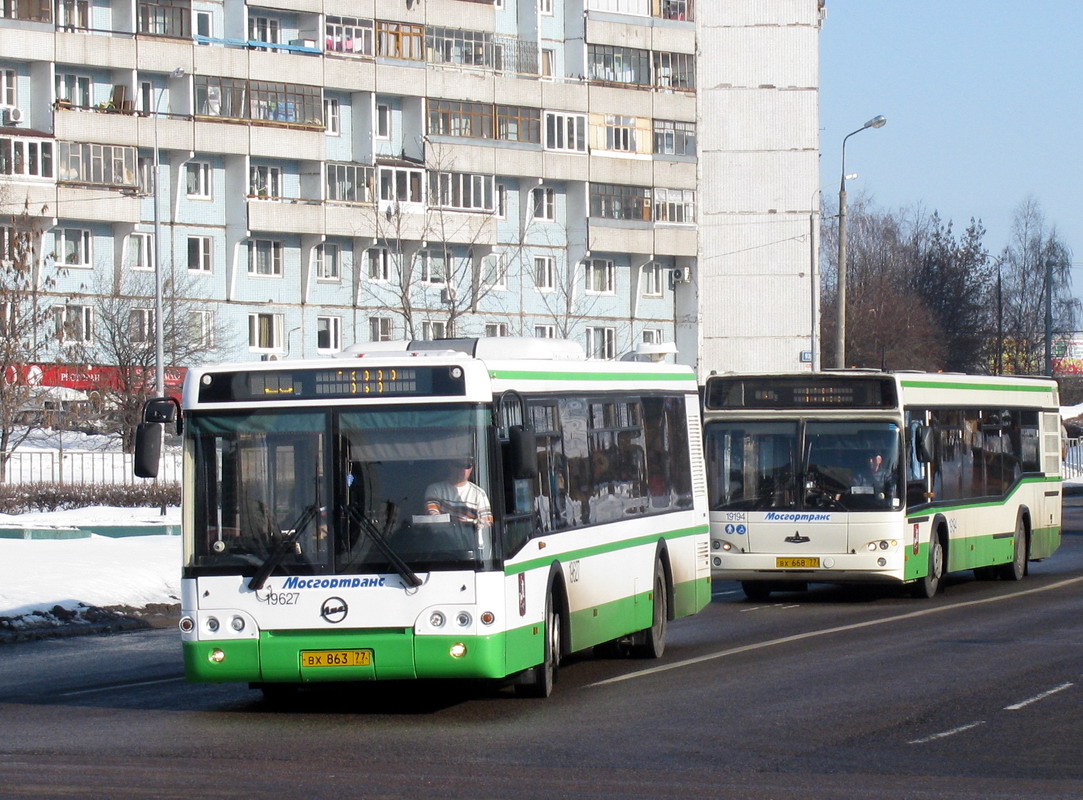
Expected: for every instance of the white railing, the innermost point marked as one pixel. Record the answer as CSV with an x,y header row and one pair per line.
x,y
82,467
1073,458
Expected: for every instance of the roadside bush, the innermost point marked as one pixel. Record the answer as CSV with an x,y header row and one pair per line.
x,y
41,497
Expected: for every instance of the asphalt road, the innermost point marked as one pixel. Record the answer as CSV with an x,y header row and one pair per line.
x,y
825,694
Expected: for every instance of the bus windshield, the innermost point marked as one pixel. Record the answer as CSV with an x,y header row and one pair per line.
x,y
836,465
350,491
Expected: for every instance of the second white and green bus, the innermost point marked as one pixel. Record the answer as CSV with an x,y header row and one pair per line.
x,y
860,476
311,554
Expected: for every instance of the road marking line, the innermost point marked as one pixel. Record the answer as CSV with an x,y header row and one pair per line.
x,y
945,734
1038,697
688,662
114,687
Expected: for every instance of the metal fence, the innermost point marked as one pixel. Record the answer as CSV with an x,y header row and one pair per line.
x,y
1073,458
82,467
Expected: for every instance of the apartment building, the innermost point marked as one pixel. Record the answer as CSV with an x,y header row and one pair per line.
x,y
302,175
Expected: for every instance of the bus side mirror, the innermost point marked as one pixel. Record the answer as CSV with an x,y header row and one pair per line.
x,y
163,410
148,449
522,452
925,441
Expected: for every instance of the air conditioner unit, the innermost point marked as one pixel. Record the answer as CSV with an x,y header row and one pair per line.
x,y
679,275
13,115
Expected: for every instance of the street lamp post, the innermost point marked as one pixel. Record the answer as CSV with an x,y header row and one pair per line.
x,y
159,322
840,340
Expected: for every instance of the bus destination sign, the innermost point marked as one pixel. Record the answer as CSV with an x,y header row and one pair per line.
x,y
331,384
792,392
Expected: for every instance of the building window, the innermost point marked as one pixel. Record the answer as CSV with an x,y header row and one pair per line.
x,y
203,27
197,179
327,262
201,329
265,258
543,203
74,247
432,267
332,118
383,121
518,124
501,201
672,138
26,158
545,273
350,36
350,183
458,46
611,64
459,191
163,19
379,261
548,62
97,164
141,325
545,7
496,329
601,343
599,276
74,324
381,329
328,334
141,251
237,98
264,29
200,253
565,132
400,40
673,9
73,90
459,118
675,70
652,336
675,205
73,14
545,331
265,181
494,271
265,332
615,201
7,87
620,133
652,279
433,330
402,184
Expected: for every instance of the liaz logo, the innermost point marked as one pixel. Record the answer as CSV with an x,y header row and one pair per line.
x,y
334,610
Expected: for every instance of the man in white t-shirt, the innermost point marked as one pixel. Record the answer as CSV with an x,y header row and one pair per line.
x,y
459,497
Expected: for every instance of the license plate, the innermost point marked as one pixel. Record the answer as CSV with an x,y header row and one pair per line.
x,y
336,658
797,563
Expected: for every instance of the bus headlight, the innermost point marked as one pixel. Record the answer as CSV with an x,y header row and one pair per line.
x,y
216,656
437,619
458,650
212,624
237,623
463,619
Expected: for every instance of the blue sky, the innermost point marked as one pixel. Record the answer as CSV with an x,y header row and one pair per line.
x,y
983,107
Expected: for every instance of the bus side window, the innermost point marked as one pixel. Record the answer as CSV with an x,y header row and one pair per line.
x,y
915,467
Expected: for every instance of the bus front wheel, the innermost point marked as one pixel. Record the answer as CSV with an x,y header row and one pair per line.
x,y
928,586
538,680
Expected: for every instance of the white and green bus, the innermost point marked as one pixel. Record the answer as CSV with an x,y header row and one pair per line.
x,y
314,549
861,476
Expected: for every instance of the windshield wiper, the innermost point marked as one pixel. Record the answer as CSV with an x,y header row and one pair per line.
x,y
285,544
379,538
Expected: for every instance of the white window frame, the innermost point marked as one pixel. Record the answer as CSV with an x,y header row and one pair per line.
x,y
401,184
601,343
381,329
328,334
545,273
652,336
25,157
432,268
545,331
8,84
204,261
431,330
328,258
381,123
495,271
74,324
267,179
496,329
652,279
141,325
543,204
565,132
75,89
545,7
379,265
261,323
332,116
201,329
141,251
461,191
82,252
677,206
265,258
200,188
599,276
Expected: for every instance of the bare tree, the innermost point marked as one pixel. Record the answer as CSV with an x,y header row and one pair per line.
x,y
23,320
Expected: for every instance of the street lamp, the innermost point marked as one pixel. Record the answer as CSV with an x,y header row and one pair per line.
x,y
840,342
159,322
